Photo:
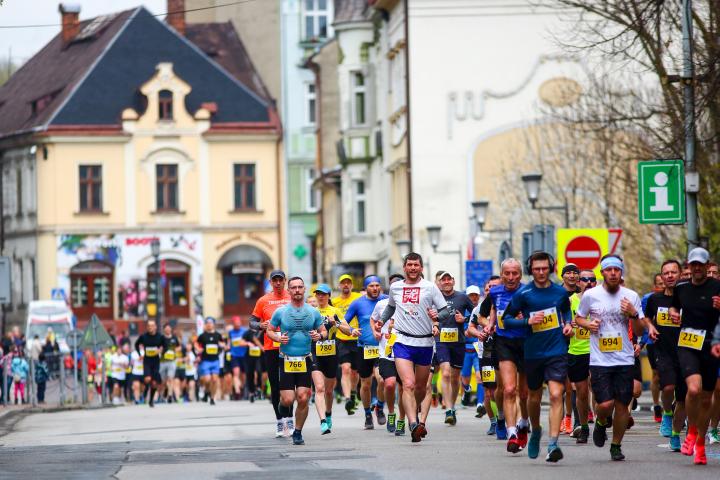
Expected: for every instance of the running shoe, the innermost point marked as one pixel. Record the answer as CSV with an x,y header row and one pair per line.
x,y
583,436
416,432
566,425
280,432
380,415
688,446
658,414
467,399
635,405
591,417
576,432
369,422
324,428
400,428
297,438
554,454
616,453
713,436
212,401
350,406
534,443
390,422
666,425
599,435
700,458
522,436
450,417
675,444
501,430
424,432
290,427
513,446
492,429
328,419
480,411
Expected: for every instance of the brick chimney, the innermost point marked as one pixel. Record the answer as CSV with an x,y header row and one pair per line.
x,y
70,16
176,15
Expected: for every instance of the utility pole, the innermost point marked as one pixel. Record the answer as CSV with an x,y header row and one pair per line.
x,y
688,79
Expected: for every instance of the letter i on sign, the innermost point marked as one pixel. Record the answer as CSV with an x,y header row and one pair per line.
x,y
661,194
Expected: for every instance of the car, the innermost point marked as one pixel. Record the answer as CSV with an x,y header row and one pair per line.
x,y
46,315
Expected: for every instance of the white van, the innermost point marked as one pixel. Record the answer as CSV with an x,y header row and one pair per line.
x,y
49,314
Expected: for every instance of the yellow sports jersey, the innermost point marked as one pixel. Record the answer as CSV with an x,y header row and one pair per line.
x,y
330,312
342,305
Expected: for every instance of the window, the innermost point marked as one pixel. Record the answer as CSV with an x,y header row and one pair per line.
x,y
91,289
358,99
167,187
316,19
360,206
18,191
90,188
244,181
311,193
165,105
310,104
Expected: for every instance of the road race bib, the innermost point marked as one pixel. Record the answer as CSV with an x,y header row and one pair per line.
x,y
500,321
449,335
254,351
550,321
582,334
663,318
276,344
118,370
169,355
295,365
325,349
236,341
610,343
211,349
371,352
691,338
488,374
151,351
389,345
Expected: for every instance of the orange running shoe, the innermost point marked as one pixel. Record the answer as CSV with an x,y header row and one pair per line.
x,y
700,458
566,425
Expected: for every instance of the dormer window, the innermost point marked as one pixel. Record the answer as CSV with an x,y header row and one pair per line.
x,y
165,105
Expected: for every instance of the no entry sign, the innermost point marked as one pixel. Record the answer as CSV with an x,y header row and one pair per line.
x,y
585,252
585,246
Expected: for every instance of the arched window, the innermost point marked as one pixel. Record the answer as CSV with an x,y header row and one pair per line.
x,y
175,287
91,289
165,107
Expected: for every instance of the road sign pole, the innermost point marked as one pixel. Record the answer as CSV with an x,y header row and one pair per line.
x,y
689,101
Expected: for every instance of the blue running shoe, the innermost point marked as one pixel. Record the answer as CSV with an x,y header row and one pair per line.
x,y
554,454
324,429
666,426
491,430
675,444
533,447
501,430
328,420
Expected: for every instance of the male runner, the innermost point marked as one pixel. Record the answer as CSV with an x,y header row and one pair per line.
x,y
260,320
325,363
658,287
570,278
671,379
450,343
699,300
211,344
510,351
471,361
296,325
119,363
150,345
348,352
368,352
238,349
167,364
546,310
416,305
610,308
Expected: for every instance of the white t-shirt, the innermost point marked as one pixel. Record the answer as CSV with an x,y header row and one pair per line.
x,y
599,304
479,347
411,302
376,315
190,365
137,363
118,365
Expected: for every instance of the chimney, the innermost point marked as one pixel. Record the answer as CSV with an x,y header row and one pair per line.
x,y
70,15
176,15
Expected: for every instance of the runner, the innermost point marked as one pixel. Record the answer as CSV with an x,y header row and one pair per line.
x,y
416,306
547,318
570,278
386,336
325,363
610,307
658,287
260,320
368,352
167,364
253,364
190,371
450,343
211,346
471,360
509,348
180,381
699,300
118,371
150,346
136,375
238,350
296,326
347,349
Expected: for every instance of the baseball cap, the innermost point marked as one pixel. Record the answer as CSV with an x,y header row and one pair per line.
x,y
323,288
472,289
699,255
444,273
277,273
570,267
345,276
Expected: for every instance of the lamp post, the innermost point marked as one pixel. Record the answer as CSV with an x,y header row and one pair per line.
x,y
433,232
155,249
480,208
532,189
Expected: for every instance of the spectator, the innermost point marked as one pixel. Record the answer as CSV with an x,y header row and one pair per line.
x,y
7,343
35,348
51,349
42,375
18,338
20,371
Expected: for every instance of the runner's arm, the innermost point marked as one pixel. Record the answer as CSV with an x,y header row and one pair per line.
x,y
254,323
387,313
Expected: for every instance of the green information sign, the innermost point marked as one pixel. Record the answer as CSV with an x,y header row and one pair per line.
x,y
661,191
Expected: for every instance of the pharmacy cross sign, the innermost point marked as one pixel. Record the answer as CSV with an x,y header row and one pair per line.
x,y
661,192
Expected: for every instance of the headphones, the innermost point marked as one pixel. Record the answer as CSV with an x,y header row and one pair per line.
x,y
529,260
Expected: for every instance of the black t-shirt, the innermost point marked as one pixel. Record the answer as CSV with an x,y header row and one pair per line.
x,y
489,343
486,307
153,345
170,344
696,304
657,309
462,303
210,341
248,336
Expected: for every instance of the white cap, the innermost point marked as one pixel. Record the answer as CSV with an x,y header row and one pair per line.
x,y
444,273
699,255
472,289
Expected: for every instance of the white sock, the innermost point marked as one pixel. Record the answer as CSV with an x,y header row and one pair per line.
x,y
523,423
512,431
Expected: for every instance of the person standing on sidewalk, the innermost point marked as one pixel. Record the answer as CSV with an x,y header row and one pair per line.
x,y
42,373
19,368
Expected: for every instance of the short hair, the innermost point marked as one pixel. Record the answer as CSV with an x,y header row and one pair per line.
x,y
412,256
295,278
712,264
539,257
494,277
655,277
509,261
670,261
587,270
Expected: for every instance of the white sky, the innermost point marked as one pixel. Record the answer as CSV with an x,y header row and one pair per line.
x,y
23,43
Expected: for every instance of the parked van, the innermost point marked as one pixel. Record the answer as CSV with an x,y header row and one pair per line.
x,y
49,314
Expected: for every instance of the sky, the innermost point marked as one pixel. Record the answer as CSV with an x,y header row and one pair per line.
x,y
23,43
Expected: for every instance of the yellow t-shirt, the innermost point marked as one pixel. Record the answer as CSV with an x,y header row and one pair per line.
x,y
330,312
342,305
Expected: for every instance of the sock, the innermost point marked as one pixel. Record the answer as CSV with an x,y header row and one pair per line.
x,y
553,441
501,416
675,434
493,420
298,431
523,423
512,431
380,404
480,395
367,411
616,445
328,414
668,413
599,422
466,387
323,421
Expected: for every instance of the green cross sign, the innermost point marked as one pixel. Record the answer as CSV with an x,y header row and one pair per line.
x,y
661,191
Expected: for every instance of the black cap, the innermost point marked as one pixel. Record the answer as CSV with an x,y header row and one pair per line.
x,y
277,273
570,267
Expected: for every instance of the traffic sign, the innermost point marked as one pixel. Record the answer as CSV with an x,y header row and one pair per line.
x,y
478,272
95,337
661,192
585,252
74,338
583,246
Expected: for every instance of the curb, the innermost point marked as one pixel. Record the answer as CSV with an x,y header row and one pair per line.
x,y
10,417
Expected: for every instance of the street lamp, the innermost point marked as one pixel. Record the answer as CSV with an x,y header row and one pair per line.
x,y
155,249
403,247
433,232
532,189
480,209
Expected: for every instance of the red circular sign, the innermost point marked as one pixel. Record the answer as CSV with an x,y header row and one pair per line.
x,y
584,252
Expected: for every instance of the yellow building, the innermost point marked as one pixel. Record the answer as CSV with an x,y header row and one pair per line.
x,y
123,131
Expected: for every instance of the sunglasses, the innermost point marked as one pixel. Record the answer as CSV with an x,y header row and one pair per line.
x,y
588,279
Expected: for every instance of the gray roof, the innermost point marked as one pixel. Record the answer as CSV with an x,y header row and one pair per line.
x,y
348,11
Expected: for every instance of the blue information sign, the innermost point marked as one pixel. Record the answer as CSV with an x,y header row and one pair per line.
x,y
477,272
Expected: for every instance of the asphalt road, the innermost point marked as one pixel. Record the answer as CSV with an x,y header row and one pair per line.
x,y
236,441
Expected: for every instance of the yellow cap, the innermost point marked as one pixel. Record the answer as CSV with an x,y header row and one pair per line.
x,y
345,276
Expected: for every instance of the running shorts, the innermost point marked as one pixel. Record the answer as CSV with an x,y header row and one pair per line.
x,y
539,370
700,362
452,353
613,383
418,355
511,350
